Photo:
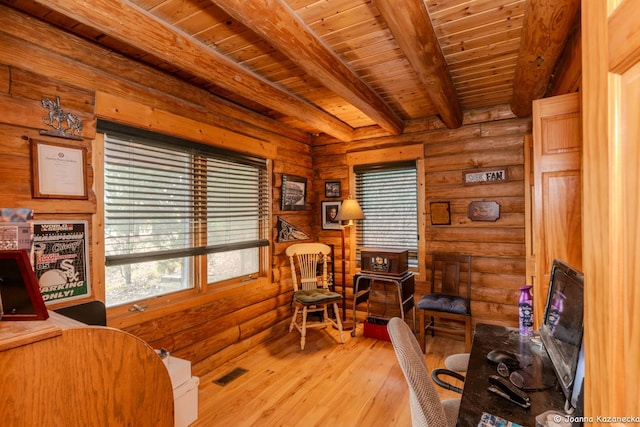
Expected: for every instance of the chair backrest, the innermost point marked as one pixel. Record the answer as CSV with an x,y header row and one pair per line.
x,y
308,256
451,274
426,408
91,312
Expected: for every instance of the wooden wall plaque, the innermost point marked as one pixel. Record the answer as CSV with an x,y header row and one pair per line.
x,y
483,211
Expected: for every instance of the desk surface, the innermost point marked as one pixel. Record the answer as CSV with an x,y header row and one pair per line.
x,y
476,399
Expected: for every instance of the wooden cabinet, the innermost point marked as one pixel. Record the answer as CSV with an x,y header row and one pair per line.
x,y
555,192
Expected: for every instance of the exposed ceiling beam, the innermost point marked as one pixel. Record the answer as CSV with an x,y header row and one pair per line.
x,y
567,77
410,23
277,23
132,25
546,27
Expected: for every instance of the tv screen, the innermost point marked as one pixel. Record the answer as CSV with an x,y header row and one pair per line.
x,y
561,331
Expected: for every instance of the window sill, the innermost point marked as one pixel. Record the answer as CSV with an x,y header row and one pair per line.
x,y
124,316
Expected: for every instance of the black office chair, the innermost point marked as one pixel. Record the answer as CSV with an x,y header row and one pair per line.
x,y
91,313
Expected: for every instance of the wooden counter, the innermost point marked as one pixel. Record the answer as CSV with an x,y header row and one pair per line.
x,y
16,334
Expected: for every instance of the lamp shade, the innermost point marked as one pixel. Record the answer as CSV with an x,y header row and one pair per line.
x,y
350,210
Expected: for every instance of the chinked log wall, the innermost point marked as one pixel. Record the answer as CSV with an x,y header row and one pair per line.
x,y
216,326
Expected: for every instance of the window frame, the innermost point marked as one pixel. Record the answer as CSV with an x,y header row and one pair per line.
x,y
198,262
413,152
390,169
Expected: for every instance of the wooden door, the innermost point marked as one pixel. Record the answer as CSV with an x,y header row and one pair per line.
x,y
557,182
530,246
611,202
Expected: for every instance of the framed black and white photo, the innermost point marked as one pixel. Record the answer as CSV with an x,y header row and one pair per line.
x,y
294,193
329,211
332,189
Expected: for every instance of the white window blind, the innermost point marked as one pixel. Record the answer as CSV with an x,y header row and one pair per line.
x,y
388,196
170,199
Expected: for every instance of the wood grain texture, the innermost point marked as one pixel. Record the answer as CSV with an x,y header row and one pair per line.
x,y
423,51
18,333
610,106
205,331
321,67
626,294
352,384
569,76
124,111
498,248
85,376
610,133
557,190
223,322
624,39
163,104
174,46
545,31
277,23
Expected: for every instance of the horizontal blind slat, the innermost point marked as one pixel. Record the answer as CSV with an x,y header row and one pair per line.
x,y
156,194
388,197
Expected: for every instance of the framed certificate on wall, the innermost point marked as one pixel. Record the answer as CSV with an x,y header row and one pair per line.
x,y
58,170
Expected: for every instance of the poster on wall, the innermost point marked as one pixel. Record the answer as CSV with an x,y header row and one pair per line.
x,y
61,260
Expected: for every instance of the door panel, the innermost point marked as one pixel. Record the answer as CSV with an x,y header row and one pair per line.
x,y
557,191
611,161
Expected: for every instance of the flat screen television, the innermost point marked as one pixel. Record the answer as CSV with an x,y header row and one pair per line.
x,y
561,330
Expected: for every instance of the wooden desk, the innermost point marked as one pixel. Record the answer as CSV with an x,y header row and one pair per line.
x,y
59,372
476,399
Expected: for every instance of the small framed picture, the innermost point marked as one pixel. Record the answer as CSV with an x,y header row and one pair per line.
x,y
440,213
332,189
329,211
294,193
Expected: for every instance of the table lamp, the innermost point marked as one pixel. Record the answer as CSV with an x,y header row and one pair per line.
x,y
349,211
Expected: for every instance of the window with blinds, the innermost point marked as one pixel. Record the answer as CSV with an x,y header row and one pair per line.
x,y
388,195
169,202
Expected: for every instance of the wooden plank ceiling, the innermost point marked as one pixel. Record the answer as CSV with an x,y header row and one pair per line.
x,y
336,66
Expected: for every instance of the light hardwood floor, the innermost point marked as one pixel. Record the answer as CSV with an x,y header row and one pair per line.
x,y
358,383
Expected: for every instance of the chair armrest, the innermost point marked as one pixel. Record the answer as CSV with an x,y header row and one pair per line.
x,y
435,375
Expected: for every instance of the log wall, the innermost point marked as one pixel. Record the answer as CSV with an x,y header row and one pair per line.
x,y
217,325
491,139
209,327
